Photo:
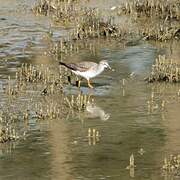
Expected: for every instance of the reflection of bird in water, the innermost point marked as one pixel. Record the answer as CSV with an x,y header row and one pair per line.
x,y
95,111
87,69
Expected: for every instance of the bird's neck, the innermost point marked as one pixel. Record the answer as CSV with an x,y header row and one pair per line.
x,y
100,68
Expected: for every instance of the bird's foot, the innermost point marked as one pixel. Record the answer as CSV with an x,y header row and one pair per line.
x,y
89,84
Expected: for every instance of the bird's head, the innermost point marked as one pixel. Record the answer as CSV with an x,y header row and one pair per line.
x,y
105,64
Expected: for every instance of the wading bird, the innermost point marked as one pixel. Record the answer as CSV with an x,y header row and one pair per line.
x,y
87,69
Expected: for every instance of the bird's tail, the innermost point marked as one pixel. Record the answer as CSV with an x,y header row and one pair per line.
x,y
61,63
64,64
69,66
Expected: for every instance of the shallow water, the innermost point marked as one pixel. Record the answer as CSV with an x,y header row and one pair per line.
x,y
60,149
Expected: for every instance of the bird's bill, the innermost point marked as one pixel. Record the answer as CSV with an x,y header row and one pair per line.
x,y
108,66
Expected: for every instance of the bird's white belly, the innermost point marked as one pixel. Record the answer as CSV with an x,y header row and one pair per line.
x,y
86,74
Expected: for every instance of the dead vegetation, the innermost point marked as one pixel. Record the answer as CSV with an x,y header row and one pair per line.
x,y
171,166
87,22
37,93
60,11
157,20
166,70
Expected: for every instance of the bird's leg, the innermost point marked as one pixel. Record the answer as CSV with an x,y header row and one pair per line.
x,y
89,84
79,83
69,79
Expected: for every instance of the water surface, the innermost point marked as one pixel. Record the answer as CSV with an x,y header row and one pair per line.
x,y
60,148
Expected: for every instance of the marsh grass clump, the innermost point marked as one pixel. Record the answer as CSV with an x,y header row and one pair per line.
x,y
153,29
11,90
48,78
162,9
78,102
8,130
34,73
93,25
172,165
45,77
165,70
49,83
64,11
87,22
7,134
50,110
157,20
40,96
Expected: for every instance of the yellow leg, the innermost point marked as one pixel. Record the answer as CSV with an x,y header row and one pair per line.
x,y
79,83
89,84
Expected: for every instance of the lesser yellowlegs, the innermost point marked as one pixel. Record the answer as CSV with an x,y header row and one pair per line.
x,y
87,69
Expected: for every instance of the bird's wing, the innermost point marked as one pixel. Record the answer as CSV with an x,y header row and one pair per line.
x,y
71,66
82,66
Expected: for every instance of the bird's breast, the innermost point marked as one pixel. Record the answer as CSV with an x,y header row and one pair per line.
x,y
93,72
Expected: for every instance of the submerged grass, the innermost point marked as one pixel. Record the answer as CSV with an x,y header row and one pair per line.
x,y
171,165
37,93
157,20
165,70
8,131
